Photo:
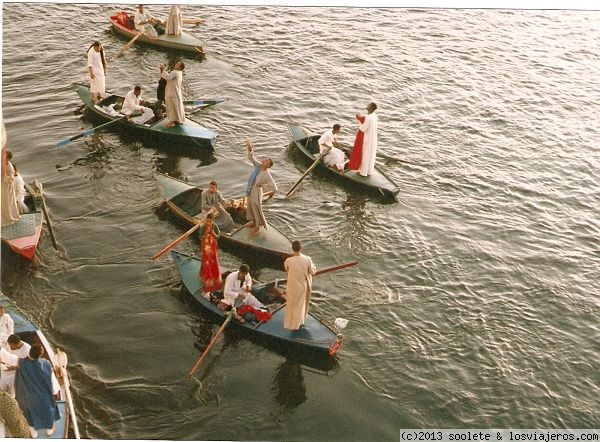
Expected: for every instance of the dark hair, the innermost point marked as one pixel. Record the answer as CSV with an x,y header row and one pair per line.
x,y
337,126
13,339
296,246
214,183
96,44
36,351
244,268
9,155
137,88
182,65
373,105
209,215
270,162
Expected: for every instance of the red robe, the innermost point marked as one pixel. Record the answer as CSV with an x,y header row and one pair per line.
x,y
210,272
356,155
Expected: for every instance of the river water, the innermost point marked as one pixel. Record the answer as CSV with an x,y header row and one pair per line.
x,y
476,301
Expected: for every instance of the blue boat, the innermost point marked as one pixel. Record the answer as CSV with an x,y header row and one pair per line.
x,y
313,338
30,333
189,134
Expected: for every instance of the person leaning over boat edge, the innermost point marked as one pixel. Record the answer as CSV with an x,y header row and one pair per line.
x,y
328,146
259,178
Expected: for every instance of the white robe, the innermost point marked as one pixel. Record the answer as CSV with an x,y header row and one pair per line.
x,y
98,83
7,328
20,193
210,200
300,270
369,148
335,157
233,287
10,208
254,211
174,22
147,28
10,358
131,103
173,95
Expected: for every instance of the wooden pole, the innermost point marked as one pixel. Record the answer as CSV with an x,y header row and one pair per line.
x,y
62,362
46,215
177,241
211,344
313,165
128,45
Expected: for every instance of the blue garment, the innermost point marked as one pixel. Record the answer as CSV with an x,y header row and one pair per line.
x,y
33,388
252,178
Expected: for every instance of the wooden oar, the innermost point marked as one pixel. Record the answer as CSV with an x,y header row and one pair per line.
x,y
192,21
200,223
62,362
46,215
313,165
319,272
128,45
212,344
177,241
87,132
202,102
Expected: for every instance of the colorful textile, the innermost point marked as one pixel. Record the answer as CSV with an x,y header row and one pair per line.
x,y
356,155
260,315
210,272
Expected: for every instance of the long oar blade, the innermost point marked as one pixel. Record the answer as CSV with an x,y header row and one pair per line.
x,y
177,241
211,345
313,165
87,133
319,272
202,102
128,45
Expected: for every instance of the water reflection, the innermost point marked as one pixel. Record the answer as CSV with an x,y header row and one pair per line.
x,y
288,385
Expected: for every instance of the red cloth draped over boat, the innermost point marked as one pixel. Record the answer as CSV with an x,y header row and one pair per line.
x,y
260,315
210,272
356,155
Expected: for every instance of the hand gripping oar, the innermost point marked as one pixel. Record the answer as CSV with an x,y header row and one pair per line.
x,y
211,344
313,165
62,362
87,132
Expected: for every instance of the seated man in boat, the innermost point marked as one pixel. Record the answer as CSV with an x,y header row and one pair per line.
x,y
144,22
237,290
9,357
7,326
133,103
334,157
212,198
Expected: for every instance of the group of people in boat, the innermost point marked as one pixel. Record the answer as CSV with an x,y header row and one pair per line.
x,y
28,385
362,158
169,89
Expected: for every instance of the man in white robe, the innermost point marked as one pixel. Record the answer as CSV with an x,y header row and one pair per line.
x,y
369,148
238,285
133,103
7,326
20,192
334,157
144,22
173,94
9,358
96,71
174,22
300,270
10,208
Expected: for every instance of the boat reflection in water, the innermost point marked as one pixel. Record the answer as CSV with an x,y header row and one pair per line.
x,y
288,385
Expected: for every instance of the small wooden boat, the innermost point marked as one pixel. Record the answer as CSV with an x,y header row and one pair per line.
x,y
24,235
314,337
184,201
122,24
307,143
189,133
31,334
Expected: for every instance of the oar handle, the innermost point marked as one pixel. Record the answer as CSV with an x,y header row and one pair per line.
x,y
211,344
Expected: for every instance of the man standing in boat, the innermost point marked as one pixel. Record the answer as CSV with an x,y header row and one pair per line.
x,y
334,157
144,22
369,147
300,270
133,102
97,70
174,21
173,94
259,179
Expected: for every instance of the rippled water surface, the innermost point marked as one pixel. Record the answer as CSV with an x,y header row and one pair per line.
x,y
476,301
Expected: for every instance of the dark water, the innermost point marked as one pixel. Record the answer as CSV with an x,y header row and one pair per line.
x,y
476,302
